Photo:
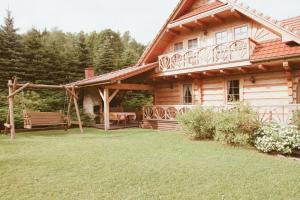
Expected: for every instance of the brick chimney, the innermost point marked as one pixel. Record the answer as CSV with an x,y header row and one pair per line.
x,y
89,72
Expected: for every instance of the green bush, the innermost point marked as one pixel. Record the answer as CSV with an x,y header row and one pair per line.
x,y
133,101
198,123
273,138
237,126
296,118
86,120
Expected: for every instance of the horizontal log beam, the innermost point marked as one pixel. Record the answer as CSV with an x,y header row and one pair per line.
x,y
41,86
137,87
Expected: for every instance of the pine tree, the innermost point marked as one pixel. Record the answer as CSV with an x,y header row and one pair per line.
x,y
11,49
115,44
104,60
128,58
34,56
133,50
83,51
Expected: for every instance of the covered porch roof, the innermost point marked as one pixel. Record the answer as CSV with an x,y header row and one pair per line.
x,y
108,85
115,76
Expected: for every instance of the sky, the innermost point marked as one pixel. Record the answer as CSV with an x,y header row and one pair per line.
x,y
143,18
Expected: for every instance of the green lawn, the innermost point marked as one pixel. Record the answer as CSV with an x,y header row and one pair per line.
x,y
139,164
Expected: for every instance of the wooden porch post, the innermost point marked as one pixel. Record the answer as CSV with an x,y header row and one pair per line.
x,y
69,110
106,108
77,110
11,111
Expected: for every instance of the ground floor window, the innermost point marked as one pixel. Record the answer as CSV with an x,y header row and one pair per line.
x,y
233,90
187,94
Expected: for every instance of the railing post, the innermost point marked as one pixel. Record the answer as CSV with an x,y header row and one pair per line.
x,y
270,116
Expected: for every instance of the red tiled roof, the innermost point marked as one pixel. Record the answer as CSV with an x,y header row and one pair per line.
x,y
201,9
293,23
274,49
116,75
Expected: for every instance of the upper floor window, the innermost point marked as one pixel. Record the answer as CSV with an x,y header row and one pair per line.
x,y
221,37
187,94
192,44
241,33
178,46
233,90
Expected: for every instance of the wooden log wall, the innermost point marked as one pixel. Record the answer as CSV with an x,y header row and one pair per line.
x,y
268,88
213,91
168,94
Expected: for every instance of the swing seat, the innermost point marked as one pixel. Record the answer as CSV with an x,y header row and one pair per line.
x,y
39,119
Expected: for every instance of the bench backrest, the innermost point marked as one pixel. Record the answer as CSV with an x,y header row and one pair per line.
x,y
45,118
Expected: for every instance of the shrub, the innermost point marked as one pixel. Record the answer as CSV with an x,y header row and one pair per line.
x,y
237,126
273,138
198,123
296,118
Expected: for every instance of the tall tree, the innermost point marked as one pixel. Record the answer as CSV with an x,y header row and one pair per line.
x,y
83,51
113,40
11,49
34,56
104,60
133,50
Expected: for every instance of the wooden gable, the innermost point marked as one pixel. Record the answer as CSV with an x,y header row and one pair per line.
x,y
199,12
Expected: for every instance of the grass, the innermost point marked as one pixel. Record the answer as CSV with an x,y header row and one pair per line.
x,y
139,164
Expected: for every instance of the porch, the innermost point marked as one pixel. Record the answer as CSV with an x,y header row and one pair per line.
x,y
102,90
163,117
118,119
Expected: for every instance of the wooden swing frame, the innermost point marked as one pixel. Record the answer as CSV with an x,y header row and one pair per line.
x,y
15,88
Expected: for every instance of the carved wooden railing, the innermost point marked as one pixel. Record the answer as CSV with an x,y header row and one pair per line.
x,y
217,54
278,113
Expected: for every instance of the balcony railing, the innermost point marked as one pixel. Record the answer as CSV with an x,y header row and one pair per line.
x,y
281,114
217,54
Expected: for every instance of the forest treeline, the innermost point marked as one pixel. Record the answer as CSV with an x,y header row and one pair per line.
x,y
56,57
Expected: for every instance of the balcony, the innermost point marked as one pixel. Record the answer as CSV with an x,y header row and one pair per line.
x,y
235,51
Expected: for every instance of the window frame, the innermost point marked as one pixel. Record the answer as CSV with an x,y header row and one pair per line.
x,y
216,39
192,40
241,26
178,43
228,101
183,94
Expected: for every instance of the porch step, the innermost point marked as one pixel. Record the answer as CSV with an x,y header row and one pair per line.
x,y
162,125
116,127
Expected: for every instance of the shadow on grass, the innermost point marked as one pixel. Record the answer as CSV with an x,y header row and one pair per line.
x,y
88,133
44,134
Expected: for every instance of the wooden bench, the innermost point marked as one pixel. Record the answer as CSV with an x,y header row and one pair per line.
x,y
39,119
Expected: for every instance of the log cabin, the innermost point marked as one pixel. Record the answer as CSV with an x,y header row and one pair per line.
x,y
209,53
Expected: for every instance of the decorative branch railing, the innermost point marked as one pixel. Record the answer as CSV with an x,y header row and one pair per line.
x,y
217,54
278,113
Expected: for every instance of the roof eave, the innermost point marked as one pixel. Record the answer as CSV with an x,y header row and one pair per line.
x,y
200,16
275,58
